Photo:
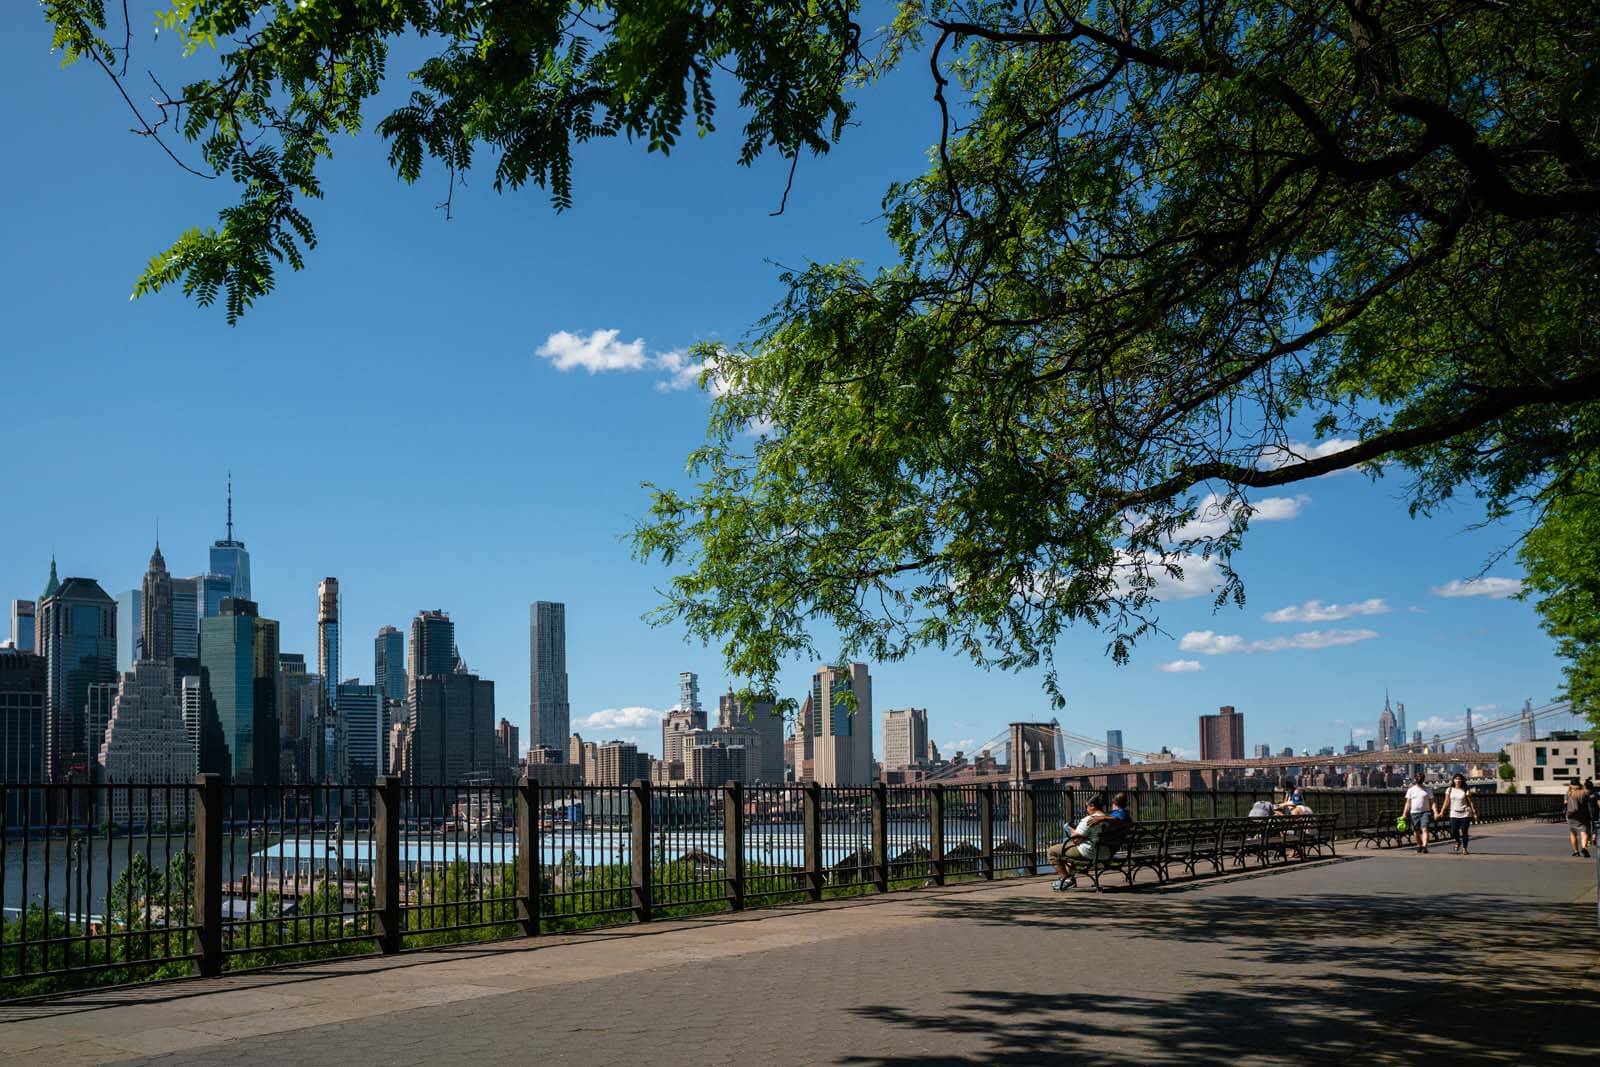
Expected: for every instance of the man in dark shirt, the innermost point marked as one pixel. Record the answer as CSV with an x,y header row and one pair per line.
x,y
1119,808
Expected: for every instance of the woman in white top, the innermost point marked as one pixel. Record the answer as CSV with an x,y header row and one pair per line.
x,y
1457,804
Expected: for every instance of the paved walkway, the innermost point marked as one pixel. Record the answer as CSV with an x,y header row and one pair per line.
x,y
1376,957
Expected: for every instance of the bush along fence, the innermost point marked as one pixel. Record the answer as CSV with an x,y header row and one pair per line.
x,y
109,884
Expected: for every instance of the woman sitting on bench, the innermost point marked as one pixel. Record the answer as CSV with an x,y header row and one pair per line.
x,y
1079,848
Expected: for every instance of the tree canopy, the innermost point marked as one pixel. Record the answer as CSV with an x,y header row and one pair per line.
x,y
1167,253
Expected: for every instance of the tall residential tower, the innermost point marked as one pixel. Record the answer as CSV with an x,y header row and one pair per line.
x,y
549,712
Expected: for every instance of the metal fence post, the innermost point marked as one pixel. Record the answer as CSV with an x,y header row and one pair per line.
x,y
986,831
936,833
386,863
208,872
642,889
733,843
1030,828
880,837
811,820
529,875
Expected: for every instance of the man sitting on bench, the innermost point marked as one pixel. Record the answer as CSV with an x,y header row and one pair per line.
x,y
1079,848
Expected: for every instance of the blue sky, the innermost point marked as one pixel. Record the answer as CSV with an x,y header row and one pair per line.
x,y
388,420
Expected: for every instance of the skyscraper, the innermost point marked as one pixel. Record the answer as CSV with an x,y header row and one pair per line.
x,y
451,728
1469,743
130,627
433,644
328,639
145,739
689,693
549,712
1222,735
78,639
22,724
239,670
508,751
210,591
360,722
389,663
1400,725
1525,726
1386,726
228,557
191,699
842,736
22,626
155,609
185,626
905,738
767,722
1115,754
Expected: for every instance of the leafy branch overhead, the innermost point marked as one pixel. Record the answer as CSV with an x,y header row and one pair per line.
x,y
1156,237
524,81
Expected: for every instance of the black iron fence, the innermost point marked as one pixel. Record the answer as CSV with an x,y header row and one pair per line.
x,y
107,884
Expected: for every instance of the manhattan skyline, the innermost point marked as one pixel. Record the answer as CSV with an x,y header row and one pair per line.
x,y
480,463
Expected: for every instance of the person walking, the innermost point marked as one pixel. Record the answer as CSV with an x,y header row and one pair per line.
x,y
1457,804
1578,817
1418,811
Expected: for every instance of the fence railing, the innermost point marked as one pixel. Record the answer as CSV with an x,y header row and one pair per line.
x,y
107,884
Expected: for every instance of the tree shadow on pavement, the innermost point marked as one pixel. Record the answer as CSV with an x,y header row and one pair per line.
x,y
1350,978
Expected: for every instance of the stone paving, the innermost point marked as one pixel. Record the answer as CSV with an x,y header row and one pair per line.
x,y
1372,958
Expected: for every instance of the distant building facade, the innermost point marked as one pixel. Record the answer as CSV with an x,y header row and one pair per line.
x,y
841,736
1222,735
763,719
145,742
78,639
905,738
1548,765
22,728
549,709
23,631
362,741
389,663
1115,753
239,674
328,640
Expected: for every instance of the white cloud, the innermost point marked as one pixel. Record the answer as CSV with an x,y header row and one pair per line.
x,y
1438,724
1361,731
600,351
1180,666
1208,643
1485,707
950,748
1317,611
1275,456
1201,575
1494,588
631,718
1213,517
682,373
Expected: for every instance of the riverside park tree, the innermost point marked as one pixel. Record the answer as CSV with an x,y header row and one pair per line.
x,y
1167,253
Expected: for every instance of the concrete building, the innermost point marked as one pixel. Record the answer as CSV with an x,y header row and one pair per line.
x,y
549,712
616,763
508,751
22,728
1546,766
841,736
363,740
763,719
96,717
389,663
549,767
1115,754
145,742
676,724
239,672
591,762
328,640
577,755
23,631
1262,752
78,639
1222,735
230,559
905,738
451,728
715,763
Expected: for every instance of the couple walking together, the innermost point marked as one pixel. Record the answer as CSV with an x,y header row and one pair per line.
x,y
1421,811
